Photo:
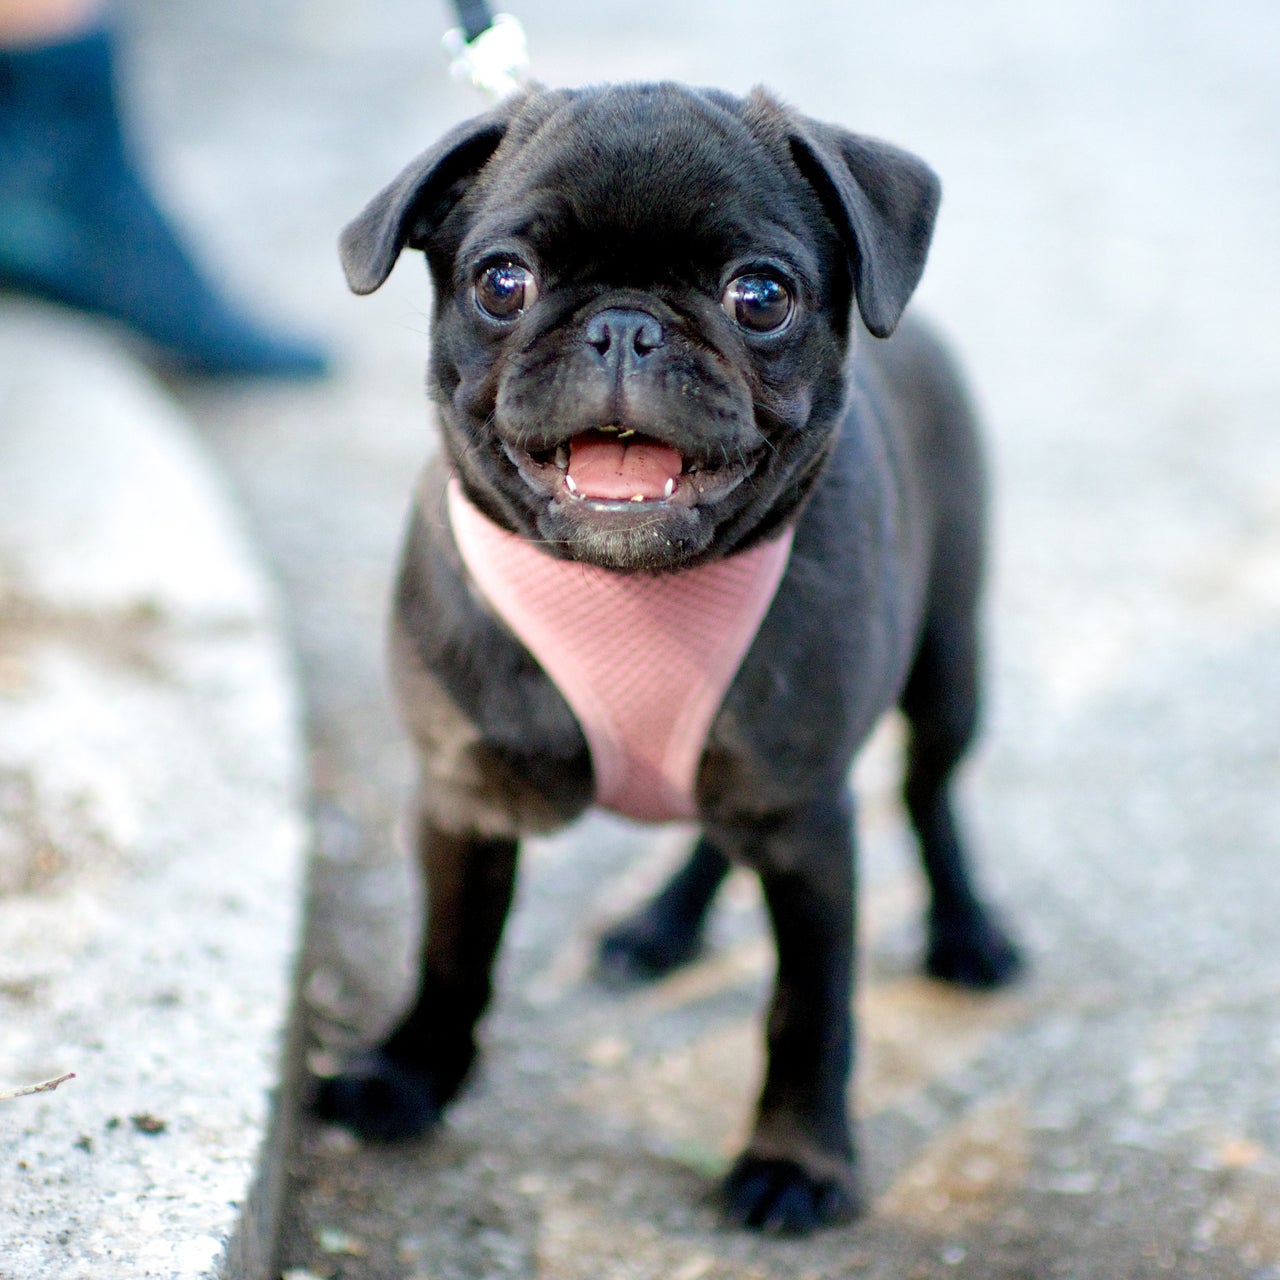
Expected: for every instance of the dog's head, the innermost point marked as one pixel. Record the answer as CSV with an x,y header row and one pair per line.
x,y
643,307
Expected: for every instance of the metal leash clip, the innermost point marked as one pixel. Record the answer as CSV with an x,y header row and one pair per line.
x,y
494,59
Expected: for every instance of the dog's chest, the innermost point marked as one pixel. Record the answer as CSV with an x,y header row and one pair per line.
x,y
643,660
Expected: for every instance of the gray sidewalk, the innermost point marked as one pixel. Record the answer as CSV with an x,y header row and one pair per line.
x,y
152,832
1107,269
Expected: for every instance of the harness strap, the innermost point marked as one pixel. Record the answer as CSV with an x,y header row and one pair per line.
x,y
644,660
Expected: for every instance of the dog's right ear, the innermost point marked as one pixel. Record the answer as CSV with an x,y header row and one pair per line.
x,y
417,200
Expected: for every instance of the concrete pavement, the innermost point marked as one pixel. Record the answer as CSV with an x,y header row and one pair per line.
x,y
152,832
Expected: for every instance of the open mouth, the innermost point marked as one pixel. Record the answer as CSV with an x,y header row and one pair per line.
x,y
616,468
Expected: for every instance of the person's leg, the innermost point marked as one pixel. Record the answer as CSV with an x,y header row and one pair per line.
x,y
32,22
78,224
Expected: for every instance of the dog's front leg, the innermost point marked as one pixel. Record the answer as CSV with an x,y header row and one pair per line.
x,y
399,1088
797,1171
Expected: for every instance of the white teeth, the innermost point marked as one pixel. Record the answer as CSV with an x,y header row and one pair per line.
x,y
637,497
562,458
693,466
669,488
568,484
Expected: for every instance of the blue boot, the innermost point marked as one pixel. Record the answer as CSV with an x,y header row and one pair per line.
x,y
77,226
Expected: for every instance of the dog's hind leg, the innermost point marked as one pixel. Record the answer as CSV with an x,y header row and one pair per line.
x,y
399,1088
966,943
667,931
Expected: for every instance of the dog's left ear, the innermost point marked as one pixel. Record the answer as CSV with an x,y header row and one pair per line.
x,y
884,202
418,199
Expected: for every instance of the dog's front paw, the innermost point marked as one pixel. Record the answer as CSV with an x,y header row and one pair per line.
x,y
379,1099
780,1197
975,952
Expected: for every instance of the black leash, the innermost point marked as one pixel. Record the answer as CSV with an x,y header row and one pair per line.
x,y
486,49
474,17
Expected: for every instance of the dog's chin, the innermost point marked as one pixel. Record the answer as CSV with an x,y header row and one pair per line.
x,y
669,522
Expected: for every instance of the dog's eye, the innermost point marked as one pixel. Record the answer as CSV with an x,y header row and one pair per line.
x,y
758,304
504,290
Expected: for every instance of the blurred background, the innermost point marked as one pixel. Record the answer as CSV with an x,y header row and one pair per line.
x,y
1106,268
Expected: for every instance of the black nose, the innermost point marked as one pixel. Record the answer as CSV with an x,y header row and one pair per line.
x,y
620,335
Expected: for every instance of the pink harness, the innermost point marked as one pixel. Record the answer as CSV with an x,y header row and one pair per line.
x,y
644,660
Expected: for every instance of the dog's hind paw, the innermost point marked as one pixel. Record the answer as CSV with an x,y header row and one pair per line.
x,y
978,954
644,948
778,1197
378,1099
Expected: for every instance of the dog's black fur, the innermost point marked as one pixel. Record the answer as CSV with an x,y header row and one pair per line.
x,y
618,218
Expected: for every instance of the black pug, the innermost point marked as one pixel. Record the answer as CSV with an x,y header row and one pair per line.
x,y
670,449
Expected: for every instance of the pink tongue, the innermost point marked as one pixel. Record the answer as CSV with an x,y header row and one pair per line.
x,y
614,470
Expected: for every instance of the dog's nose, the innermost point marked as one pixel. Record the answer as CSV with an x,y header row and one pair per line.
x,y
621,335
